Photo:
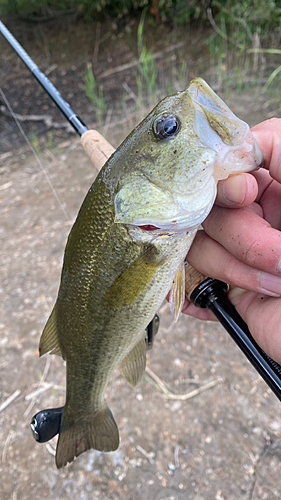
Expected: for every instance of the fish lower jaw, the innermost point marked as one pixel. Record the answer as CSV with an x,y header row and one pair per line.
x,y
169,229
247,158
149,232
183,224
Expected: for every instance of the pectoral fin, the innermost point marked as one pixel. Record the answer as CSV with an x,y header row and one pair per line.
x,y
49,338
177,293
132,282
133,365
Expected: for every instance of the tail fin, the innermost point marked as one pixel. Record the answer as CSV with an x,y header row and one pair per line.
x,y
98,431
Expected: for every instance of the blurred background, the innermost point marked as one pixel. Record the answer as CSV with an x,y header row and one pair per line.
x,y
113,61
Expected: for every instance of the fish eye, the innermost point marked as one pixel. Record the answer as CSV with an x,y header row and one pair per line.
x,y
166,126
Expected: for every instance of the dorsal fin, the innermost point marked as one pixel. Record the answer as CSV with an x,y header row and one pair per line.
x,y
133,365
49,338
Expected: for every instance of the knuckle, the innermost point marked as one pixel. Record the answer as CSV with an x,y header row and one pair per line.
x,y
230,271
254,254
274,122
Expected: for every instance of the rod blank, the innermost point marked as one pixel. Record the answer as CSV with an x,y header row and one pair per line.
x,y
76,122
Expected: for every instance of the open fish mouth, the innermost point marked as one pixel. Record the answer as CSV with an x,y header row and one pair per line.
x,y
149,227
183,223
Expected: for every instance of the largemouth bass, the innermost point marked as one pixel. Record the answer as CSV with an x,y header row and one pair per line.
x,y
127,248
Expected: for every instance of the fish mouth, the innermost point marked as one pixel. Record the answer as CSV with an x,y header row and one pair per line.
x,y
149,227
183,223
191,212
155,230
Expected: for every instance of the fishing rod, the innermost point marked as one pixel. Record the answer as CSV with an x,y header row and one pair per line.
x,y
203,292
64,107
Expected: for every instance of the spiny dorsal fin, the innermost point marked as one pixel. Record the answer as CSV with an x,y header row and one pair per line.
x,y
177,293
133,365
49,338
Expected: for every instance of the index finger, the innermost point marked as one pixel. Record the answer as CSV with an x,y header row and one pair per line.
x,y
268,136
247,236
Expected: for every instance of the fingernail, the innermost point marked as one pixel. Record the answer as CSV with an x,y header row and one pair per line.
x,y
279,267
234,189
270,284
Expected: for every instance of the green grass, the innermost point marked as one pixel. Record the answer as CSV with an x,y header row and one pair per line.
x,y
147,77
94,92
50,138
276,71
34,140
240,30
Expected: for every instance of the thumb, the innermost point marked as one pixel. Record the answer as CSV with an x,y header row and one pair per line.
x,y
237,191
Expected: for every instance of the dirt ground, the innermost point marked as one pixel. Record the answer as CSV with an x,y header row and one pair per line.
x,y
222,444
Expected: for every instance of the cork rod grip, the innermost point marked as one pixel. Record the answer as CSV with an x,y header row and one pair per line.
x,y
99,150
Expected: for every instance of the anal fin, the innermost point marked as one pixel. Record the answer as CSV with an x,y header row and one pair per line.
x,y
177,293
49,338
133,365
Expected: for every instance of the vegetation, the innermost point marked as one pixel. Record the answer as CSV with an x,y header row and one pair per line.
x,y
147,68
245,33
94,92
250,15
180,10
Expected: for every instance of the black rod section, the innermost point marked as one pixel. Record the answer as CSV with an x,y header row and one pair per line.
x,y
64,107
269,370
211,293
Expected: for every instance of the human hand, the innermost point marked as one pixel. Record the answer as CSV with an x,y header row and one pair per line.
x,y
243,246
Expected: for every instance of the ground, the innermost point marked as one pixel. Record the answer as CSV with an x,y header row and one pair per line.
x,y
222,444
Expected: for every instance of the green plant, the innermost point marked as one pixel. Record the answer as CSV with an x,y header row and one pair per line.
x,y
169,87
252,14
94,92
276,71
139,87
179,10
34,140
146,66
183,75
50,136
272,76
249,14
